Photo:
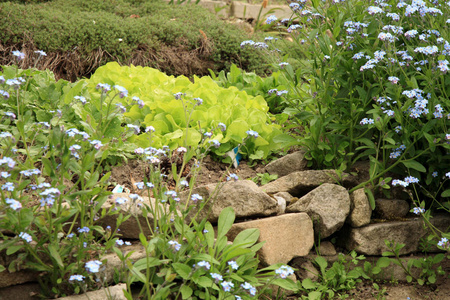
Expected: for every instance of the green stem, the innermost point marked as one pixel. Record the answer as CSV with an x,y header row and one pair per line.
x,y
389,168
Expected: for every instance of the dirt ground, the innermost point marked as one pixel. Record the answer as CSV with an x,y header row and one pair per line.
x,y
213,171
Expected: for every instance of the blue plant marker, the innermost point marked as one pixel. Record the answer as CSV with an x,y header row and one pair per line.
x,y
235,156
117,189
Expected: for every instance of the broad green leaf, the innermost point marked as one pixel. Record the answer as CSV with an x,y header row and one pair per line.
x,y
149,262
446,193
173,135
322,263
285,140
205,282
205,257
286,284
383,262
226,220
55,255
316,295
309,284
247,237
137,274
438,258
376,270
371,198
13,249
209,235
186,292
412,164
182,270
228,255
432,279
92,179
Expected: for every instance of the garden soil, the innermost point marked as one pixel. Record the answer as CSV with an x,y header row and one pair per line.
x,y
213,171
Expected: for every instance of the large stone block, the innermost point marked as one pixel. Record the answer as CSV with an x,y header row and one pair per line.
x,y
391,208
130,229
328,206
369,239
112,292
361,211
244,196
301,182
286,236
287,164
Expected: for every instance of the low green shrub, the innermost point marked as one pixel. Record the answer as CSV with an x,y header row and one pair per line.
x,y
82,35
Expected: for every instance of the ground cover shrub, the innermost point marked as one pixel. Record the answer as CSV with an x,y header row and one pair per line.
x,y
54,182
79,36
374,88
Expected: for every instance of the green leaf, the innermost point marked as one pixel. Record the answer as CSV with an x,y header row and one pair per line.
x,y
143,239
186,292
309,284
286,284
285,140
226,220
182,270
92,179
376,270
446,193
247,237
412,164
174,135
137,274
235,252
55,255
209,236
438,258
206,257
432,279
322,263
13,249
316,295
383,262
329,157
205,282
371,198
149,262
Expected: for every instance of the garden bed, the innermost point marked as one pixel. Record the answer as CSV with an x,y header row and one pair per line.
x,y
360,131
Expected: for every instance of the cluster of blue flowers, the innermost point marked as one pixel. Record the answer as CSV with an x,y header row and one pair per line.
x,y
49,196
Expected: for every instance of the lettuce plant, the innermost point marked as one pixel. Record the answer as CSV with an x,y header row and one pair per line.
x,y
164,111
